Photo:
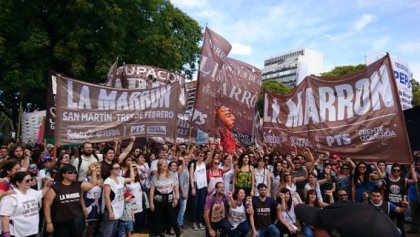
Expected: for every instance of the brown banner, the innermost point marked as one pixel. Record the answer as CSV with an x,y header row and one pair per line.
x,y
227,91
358,115
88,112
50,113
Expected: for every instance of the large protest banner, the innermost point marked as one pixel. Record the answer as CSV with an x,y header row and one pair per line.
x,y
358,115
227,91
88,112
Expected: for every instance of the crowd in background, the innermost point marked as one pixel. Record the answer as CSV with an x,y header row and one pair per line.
x,y
109,190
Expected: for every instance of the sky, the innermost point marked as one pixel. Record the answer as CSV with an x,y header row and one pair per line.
x,y
345,32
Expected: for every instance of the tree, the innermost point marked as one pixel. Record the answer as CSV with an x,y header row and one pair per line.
x,y
273,87
416,93
343,70
82,38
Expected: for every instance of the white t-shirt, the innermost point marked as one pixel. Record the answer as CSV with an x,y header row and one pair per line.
x,y
118,202
135,189
200,176
23,209
228,179
237,215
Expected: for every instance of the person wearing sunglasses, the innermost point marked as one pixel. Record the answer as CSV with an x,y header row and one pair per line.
x,y
20,211
113,198
62,208
395,189
214,175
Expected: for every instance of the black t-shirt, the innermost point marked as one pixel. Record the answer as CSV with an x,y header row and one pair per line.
x,y
66,204
263,212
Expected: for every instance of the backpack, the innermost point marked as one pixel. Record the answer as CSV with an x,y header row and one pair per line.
x,y
80,163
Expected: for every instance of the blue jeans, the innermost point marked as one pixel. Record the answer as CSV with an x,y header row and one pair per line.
x,y
240,231
269,231
307,231
223,225
182,208
199,200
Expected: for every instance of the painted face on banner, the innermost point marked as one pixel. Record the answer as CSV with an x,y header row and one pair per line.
x,y
226,117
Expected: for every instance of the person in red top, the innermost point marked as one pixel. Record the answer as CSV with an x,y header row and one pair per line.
x,y
227,118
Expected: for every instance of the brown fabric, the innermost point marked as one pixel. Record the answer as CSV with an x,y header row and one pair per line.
x,y
358,115
228,82
88,112
50,115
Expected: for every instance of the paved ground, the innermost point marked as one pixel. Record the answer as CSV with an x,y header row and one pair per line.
x,y
189,232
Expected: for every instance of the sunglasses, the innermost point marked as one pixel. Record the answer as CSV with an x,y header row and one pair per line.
x,y
71,172
28,180
345,168
215,163
396,170
342,195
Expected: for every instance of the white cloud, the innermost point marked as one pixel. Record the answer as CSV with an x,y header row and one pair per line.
x,y
241,49
363,21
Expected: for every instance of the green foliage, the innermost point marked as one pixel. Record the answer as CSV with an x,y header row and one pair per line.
x,y
273,87
416,93
82,38
343,70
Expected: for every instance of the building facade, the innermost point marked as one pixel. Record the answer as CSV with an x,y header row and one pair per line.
x,y
292,67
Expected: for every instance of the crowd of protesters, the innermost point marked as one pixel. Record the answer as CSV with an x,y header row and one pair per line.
x,y
109,190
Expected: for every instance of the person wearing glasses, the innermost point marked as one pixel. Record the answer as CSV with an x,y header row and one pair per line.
x,y
214,175
62,205
113,199
198,183
363,181
395,189
342,195
19,212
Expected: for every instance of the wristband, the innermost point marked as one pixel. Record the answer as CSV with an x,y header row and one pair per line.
x,y
6,234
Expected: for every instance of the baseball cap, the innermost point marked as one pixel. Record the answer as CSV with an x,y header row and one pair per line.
x,y
348,219
50,145
46,158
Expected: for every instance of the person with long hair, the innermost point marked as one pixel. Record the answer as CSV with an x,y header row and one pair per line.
x,y
288,221
243,176
198,183
288,182
312,199
135,188
90,202
9,168
163,198
20,211
276,177
62,207
113,205
184,186
237,216
362,182
327,181
228,171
